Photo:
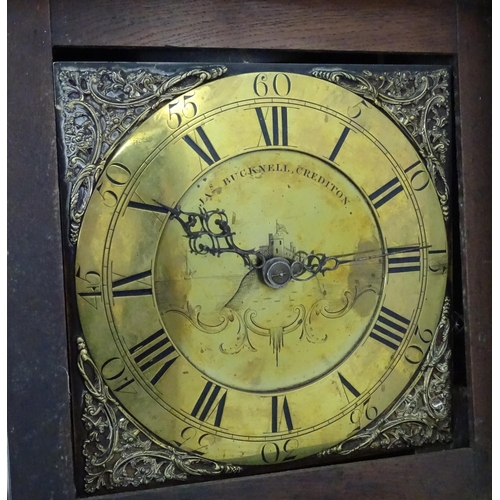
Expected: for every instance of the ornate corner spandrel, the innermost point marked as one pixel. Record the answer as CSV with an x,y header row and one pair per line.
x,y
119,454
423,414
418,101
98,107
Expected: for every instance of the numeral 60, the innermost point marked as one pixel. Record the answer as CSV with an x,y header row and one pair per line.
x,y
281,85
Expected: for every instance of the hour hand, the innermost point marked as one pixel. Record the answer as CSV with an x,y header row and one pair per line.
x,y
209,232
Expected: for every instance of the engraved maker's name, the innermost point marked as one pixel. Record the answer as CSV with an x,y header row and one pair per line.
x,y
257,171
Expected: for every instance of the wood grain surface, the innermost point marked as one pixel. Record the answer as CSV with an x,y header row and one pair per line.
x,y
342,25
39,431
435,476
475,163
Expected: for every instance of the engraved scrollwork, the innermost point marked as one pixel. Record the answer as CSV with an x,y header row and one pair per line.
x,y
117,453
98,108
247,321
193,315
423,413
323,308
417,101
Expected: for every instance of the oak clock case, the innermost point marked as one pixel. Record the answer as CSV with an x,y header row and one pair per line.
x,y
260,269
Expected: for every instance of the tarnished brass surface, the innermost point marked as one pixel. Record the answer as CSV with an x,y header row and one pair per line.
x,y
99,109
198,347
423,413
119,454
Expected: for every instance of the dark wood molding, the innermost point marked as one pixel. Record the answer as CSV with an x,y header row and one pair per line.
x,y
441,475
38,412
39,422
475,163
343,25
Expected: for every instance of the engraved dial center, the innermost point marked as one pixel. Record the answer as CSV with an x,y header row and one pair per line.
x,y
265,329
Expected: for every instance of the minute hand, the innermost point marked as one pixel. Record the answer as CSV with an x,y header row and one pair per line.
x,y
320,263
391,251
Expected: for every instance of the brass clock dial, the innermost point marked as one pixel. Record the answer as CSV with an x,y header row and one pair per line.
x,y
261,268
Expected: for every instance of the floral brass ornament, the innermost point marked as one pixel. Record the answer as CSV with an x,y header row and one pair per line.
x,y
117,453
423,414
99,108
416,100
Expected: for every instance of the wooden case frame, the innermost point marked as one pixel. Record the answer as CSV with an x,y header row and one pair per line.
x,y
39,422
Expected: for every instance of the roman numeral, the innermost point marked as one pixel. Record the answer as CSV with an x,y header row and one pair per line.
x,y
347,385
210,404
153,350
279,130
209,156
139,277
386,193
278,412
339,144
125,384
405,260
390,328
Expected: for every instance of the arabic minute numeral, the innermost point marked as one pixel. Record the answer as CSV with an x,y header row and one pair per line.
x,y
195,441
273,453
92,286
365,411
116,177
280,85
113,371
181,109
419,178
356,110
414,354
437,266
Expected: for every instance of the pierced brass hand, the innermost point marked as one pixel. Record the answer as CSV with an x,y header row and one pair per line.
x,y
210,233
315,264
